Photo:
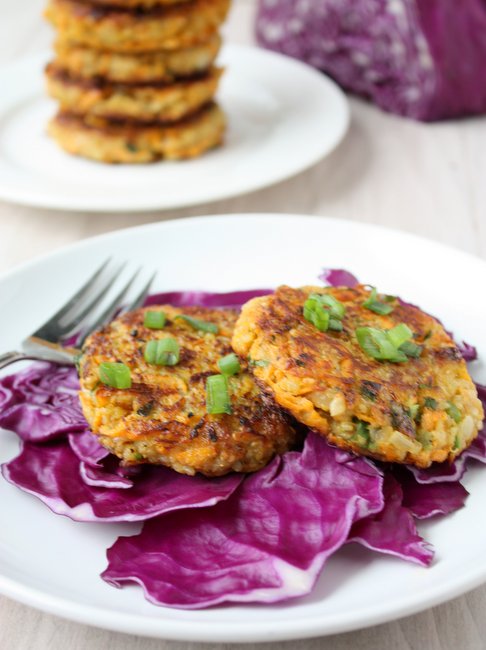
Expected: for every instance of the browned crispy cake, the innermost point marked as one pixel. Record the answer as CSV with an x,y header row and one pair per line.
x,y
416,405
134,4
146,102
163,418
110,142
146,67
128,30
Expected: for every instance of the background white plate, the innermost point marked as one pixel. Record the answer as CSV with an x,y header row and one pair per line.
x,y
51,563
283,117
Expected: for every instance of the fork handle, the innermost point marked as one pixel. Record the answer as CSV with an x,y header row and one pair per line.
x,y
11,357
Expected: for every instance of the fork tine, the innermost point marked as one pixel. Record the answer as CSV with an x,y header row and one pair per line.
x,y
79,316
60,329
45,331
139,300
110,309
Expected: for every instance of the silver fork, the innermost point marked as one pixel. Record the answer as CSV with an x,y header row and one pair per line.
x,y
80,314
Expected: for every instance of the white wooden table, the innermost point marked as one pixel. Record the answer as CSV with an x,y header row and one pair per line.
x,y
427,179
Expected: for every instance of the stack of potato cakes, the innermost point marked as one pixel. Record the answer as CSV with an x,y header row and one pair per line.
x,y
135,79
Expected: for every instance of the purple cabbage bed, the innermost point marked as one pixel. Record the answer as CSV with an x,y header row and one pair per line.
x,y
260,538
423,59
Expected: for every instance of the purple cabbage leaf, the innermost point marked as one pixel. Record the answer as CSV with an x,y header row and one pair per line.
x,y
338,278
87,448
52,473
230,300
425,500
392,530
42,402
266,543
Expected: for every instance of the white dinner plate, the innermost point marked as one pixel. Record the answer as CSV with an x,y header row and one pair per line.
x,y
52,563
283,117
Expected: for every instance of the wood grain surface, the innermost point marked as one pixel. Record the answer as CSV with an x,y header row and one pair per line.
x,y
426,179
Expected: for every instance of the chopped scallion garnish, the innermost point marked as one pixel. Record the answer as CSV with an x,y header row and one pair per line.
x,y
336,308
259,363
324,311
162,352
379,308
362,433
411,349
335,325
315,313
388,345
362,428
430,403
376,306
376,344
155,320
201,325
229,365
400,334
453,412
116,375
414,411
217,395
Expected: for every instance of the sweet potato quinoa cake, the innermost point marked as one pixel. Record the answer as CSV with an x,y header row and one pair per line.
x,y
165,413
371,374
111,142
119,29
144,102
127,4
163,66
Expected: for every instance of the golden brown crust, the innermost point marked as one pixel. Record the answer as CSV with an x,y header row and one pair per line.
x,y
109,142
87,63
140,102
327,382
125,30
162,418
135,4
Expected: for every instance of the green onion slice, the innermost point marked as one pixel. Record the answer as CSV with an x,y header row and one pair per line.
x,y
259,363
229,365
363,429
413,411
162,352
217,395
335,325
116,375
379,308
324,311
400,334
315,313
430,403
155,320
377,345
388,345
411,349
376,306
201,325
453,412
336,308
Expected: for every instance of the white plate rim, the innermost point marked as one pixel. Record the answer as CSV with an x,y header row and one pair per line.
x,y
21,196
258,631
